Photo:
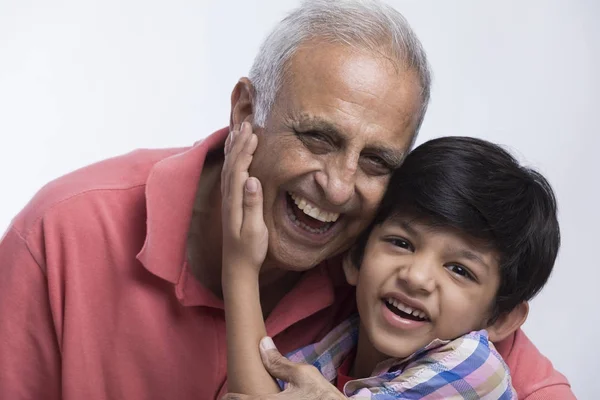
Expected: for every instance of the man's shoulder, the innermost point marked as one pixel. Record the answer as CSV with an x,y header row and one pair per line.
x,y
532,373
90,184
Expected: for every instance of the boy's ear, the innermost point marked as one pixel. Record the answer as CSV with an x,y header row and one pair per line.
x,y
242,103
350,270
508,322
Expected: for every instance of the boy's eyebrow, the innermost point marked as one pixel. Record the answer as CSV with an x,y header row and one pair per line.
x,y
404,223
306,123
461,252
470,255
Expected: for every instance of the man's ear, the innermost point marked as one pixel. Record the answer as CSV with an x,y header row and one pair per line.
x,y
508,322
350,270
242,103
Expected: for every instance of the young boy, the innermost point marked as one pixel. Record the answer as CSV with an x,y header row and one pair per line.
x,y
463,238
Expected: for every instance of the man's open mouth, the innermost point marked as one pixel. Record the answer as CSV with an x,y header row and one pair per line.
x,y
308,216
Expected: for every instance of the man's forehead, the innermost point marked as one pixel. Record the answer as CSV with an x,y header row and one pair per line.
x,y
326,65
350,90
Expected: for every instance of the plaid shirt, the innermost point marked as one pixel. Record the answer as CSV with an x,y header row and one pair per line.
x,y
465,368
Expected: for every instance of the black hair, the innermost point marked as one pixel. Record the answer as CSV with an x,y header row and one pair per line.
x,y
478,188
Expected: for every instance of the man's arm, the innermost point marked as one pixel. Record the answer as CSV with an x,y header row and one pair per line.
x,y
245,241
29,354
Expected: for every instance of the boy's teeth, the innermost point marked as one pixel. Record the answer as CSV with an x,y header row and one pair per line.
x,y
313,211
404,308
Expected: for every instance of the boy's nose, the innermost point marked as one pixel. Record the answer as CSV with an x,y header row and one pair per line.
x,y
418,275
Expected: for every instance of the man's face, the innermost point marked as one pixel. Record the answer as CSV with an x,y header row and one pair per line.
x,y
418,283
343,120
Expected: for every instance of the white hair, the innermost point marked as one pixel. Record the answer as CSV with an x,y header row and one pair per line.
x,y
367,24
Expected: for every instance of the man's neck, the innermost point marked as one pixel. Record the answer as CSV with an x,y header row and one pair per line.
x,y
205,241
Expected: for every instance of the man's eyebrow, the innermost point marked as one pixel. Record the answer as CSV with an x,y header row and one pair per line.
x,y
305,123
390,156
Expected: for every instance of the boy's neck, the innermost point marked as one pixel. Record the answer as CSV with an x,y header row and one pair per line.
x,y
367,357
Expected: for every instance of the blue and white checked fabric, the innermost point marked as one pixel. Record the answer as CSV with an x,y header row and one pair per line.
x,y
465,368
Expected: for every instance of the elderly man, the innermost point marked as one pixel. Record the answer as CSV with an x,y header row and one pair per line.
x,y
111,276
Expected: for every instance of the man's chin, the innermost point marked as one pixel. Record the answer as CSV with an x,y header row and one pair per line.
x,y
289,261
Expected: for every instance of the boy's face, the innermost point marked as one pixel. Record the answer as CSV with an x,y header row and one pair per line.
x,y
418,283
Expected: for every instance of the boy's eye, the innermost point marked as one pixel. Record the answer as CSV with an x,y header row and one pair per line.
x,y
400,242
460,271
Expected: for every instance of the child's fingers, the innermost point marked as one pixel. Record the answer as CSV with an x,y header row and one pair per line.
x,y
254,222
229,140
239,176
234,174
228,162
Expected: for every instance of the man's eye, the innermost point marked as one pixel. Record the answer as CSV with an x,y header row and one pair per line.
x,y
460,271
313,136
375,165
315,141
400,242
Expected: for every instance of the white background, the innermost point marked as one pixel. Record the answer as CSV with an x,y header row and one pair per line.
x,y
85,80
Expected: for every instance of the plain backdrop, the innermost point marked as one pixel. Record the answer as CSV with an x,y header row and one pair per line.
x,y
88,79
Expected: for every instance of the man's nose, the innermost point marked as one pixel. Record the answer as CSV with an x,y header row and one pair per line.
x,y
338,179
418,274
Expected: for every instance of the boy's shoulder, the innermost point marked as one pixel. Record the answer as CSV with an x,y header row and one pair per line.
x,y
331,351
466,367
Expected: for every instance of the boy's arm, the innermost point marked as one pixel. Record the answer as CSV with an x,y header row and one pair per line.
x,y
245,240
245,327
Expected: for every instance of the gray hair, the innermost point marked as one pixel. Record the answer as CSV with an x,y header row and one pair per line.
x,y
367,24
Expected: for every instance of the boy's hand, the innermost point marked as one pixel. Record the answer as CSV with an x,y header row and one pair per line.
x,y
245,235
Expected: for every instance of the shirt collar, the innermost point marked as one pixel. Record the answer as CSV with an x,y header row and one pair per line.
x,y
170,193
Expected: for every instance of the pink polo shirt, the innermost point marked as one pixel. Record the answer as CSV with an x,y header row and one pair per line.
x,y
97,300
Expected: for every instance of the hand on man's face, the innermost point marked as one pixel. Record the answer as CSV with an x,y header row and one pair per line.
x,y
338,128
245,236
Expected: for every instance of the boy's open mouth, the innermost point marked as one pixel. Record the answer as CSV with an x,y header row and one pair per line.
x,y
404,311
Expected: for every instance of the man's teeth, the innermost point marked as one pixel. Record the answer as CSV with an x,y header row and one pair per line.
x,y
404,308
313,211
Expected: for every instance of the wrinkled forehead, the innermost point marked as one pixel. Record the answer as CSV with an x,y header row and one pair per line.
x,y
360,93
365,77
